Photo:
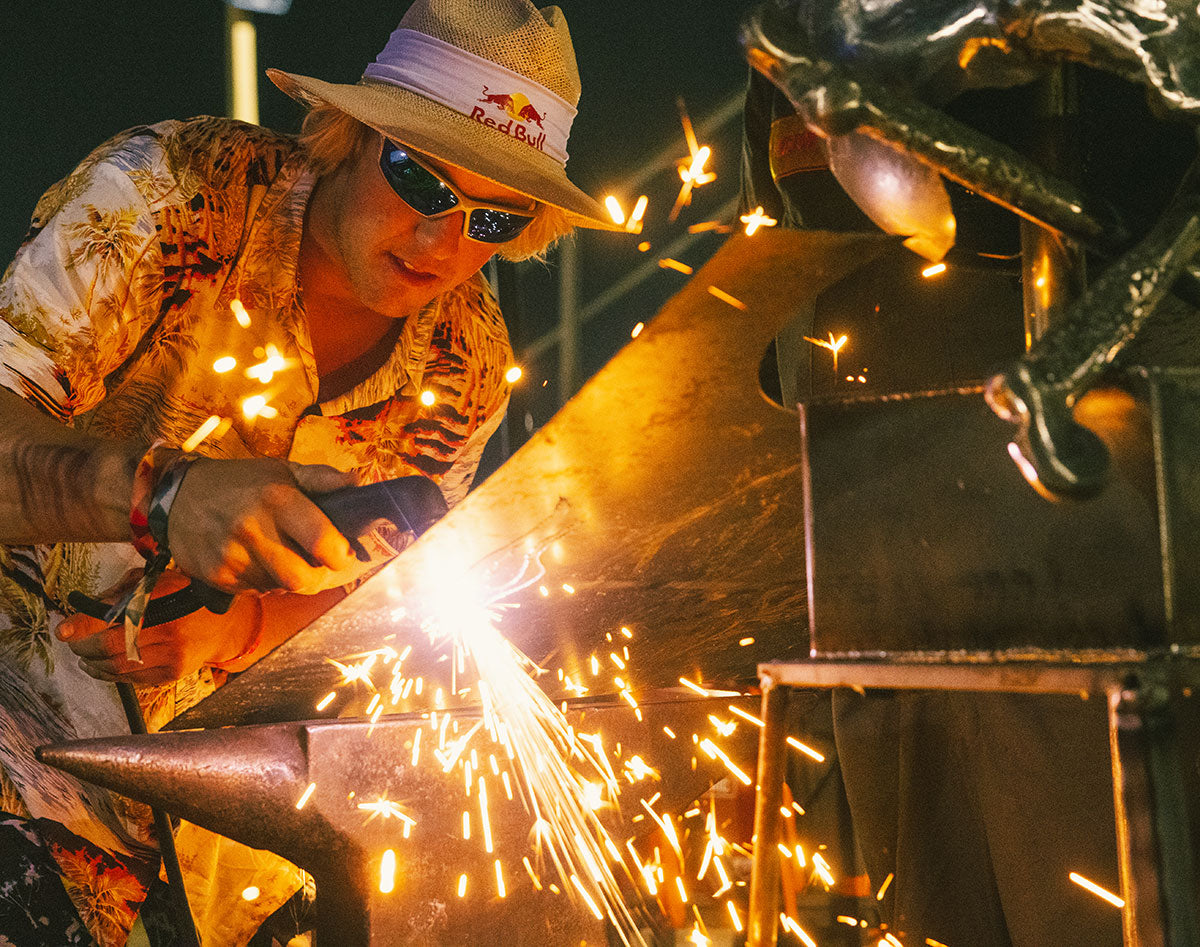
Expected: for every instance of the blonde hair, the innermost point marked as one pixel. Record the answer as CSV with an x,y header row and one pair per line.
x,y
331,137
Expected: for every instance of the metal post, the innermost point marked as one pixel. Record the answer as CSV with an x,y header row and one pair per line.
x,y
1153,840
241,57
1052,267
762,925
568,319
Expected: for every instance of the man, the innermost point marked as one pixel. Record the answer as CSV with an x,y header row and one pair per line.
x,y
321,301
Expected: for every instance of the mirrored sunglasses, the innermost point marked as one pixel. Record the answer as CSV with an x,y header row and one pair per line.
x,y
431,196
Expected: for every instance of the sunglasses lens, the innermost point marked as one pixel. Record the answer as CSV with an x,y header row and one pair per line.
x,y
423,191
495,226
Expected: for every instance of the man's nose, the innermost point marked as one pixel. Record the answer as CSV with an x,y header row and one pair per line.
x,y
439,237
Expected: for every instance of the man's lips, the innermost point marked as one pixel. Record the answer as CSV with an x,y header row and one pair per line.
x,y
410,273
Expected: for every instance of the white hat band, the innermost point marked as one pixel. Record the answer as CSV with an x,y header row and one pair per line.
x,y
478,88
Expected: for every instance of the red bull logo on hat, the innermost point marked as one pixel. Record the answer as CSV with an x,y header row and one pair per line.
x,y
521,115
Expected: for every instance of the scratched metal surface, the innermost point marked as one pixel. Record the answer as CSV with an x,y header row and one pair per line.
x,y
671,485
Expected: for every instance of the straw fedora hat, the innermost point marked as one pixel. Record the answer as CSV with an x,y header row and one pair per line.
x,y
490,86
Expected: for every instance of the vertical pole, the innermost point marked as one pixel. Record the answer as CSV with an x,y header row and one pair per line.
x,y
241,58
1052,267
762,924
568,319
1153,838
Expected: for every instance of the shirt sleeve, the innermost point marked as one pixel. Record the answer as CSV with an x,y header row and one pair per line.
x,y
81,291
458,479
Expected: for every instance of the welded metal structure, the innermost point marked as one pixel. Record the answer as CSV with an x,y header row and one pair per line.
x,y
947,572
670,487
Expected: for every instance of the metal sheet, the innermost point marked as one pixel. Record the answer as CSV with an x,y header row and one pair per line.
x,y
924,537
670,484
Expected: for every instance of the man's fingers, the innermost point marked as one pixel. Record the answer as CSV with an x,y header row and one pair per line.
x,y
116,673
321,478
275,565
81,631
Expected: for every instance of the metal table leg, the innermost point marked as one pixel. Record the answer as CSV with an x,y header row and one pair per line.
x,y
763,922
1153,840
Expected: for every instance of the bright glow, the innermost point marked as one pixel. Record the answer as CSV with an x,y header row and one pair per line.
x,y
637,330
462,885
427,397
615,211
304,796
387,872
639,210
202,432
243,68
805,749
935,270
726,298
224,364
696,170
240,314
513,375
834,345
669,264
256,407
250,894
745,641
755,219
1097,890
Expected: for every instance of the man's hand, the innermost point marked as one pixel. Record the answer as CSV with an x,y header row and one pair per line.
x,y
245,524
171,650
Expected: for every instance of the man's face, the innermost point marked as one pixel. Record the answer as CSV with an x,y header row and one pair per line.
x,y
394,260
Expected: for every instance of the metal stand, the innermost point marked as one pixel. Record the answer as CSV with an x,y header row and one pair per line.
x,y
1153,839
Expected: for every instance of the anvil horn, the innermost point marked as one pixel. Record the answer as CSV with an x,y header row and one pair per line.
x,y
243,783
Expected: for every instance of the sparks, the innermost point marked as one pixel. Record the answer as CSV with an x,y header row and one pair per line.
x,y
637,329
240,314
936,270
1097,890
386,808
499,878
387,872
715,752
304,796
634,224
462,885
201,433
726,298
834,346
737,921
615,211
805,749
513,375
749,718
669,264
883,887
756,219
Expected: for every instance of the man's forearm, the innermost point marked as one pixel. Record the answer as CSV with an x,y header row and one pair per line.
x,y
57,484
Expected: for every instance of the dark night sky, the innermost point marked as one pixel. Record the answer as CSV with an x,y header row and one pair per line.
x,y
75,73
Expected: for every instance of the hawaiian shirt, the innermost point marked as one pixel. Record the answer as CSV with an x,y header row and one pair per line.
x,y
156,290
